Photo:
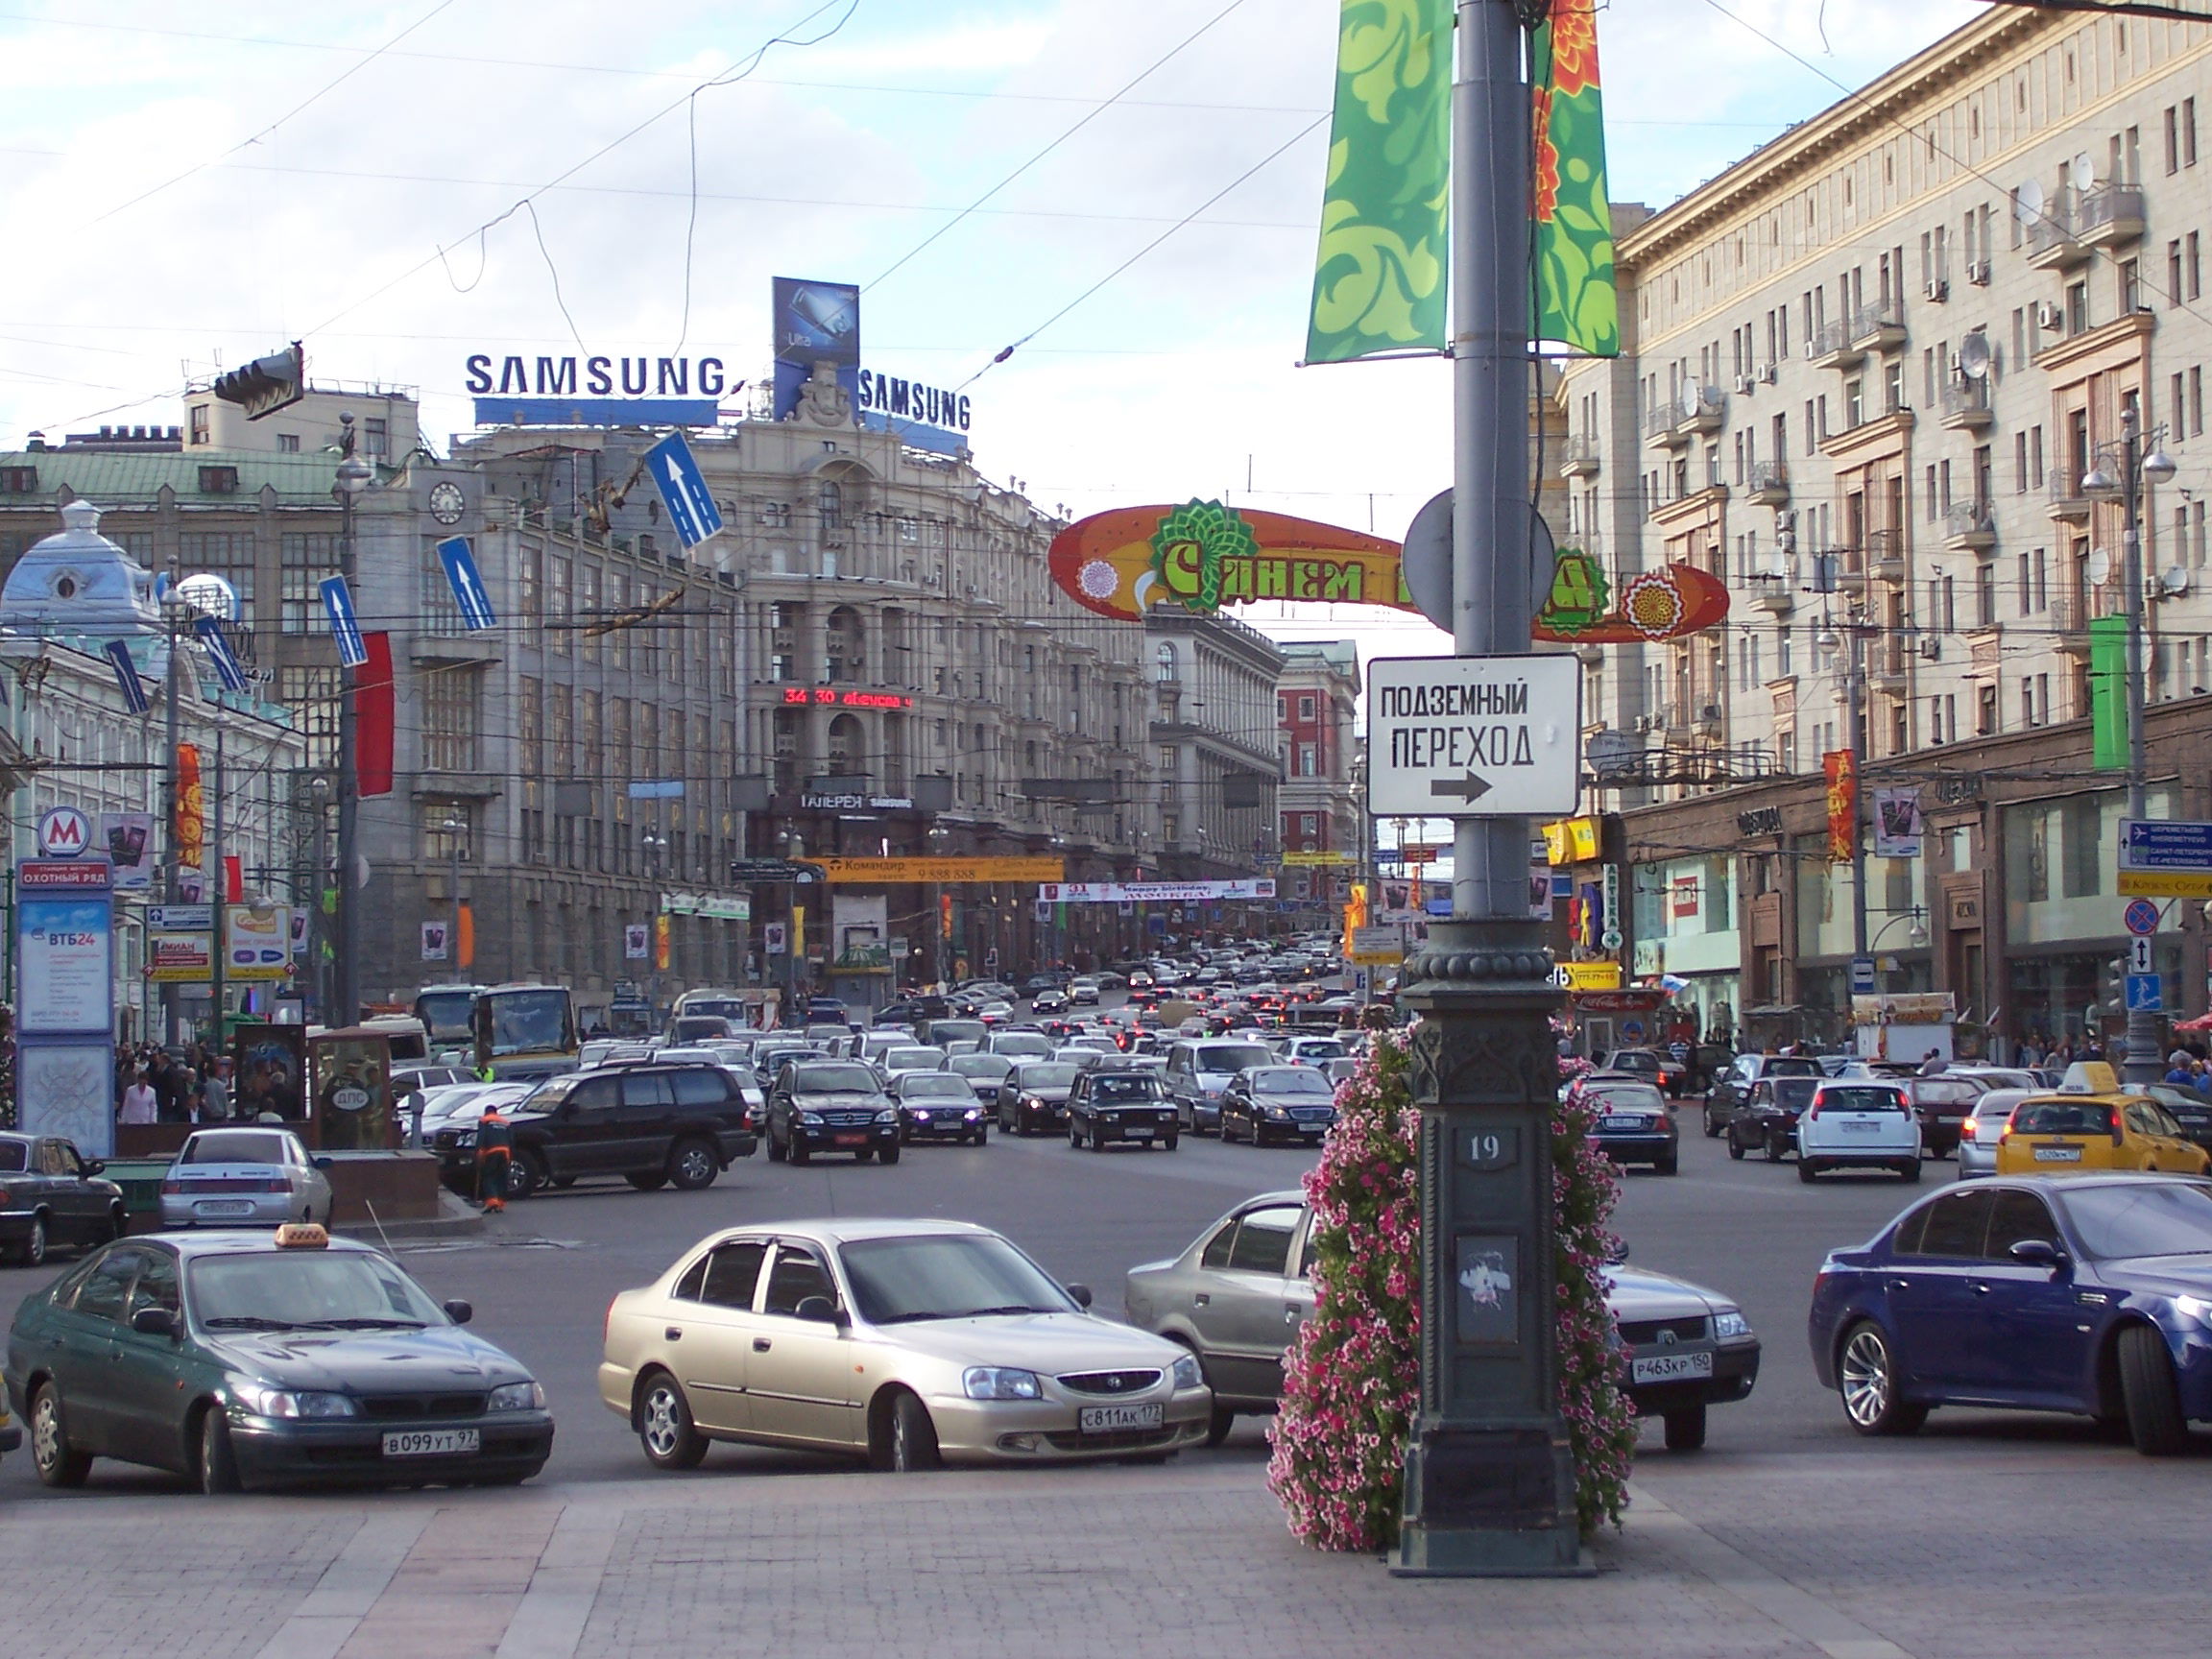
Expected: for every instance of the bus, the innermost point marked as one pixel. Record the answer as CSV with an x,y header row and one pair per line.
x,y
525,1031
752,1008
447,1013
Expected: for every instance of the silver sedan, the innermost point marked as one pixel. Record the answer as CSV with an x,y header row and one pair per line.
x,y
1979,1133
260,1177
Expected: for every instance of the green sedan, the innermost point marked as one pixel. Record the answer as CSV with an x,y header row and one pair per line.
x,y
244,1359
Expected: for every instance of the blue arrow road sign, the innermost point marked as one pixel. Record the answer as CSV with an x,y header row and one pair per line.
x,y
468,583
684,490
2158,844
118,653
345,626
2145,993
219,653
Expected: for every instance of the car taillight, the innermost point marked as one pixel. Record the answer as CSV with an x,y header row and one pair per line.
x,y
172,1186
1969,1128
276,1184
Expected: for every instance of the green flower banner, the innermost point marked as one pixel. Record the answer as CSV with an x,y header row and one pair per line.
x,y
1575,303
1379,281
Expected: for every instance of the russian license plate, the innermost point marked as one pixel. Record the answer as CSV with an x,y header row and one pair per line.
x,y
852,1140
223,1206
1110,1419
1619,1122
430,1442
1670,1367
1859,1127
2058,1154
1138,1131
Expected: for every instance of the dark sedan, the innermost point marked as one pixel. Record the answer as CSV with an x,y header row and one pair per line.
x,y
1032,1098
2091,1295
251,1360
1293,1103
1942,1104
1634,1123
50,1195
1132,1106
938,1106
1767,1119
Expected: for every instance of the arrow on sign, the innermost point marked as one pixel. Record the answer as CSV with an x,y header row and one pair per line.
x,y
1470,788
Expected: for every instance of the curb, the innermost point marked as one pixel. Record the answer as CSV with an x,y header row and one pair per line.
x,y
455,1220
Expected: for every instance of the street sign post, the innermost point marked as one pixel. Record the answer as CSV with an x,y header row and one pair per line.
x,y
228,668
684,492
2165,843
345,626
2139,958
467,583
2141,917
1447,732
2145,994
1378,944
1861,976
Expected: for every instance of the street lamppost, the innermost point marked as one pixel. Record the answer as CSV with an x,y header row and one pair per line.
x,y
455,828
654,844
2135,469
318,933
936,836
794,847
1915,936
354,475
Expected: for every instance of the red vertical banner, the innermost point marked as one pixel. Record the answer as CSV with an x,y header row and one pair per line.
x,y
464,941
190,828
373,716
1842,804
944,916
234,878
660,942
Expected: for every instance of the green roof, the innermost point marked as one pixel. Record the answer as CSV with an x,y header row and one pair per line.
x,y
133,479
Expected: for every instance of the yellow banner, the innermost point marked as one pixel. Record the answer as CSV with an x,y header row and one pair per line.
x,y
944,872
1592,975
1306,860
2165,884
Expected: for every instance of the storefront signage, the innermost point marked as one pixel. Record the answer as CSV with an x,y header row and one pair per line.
x,y
1760,821
1310,858
721,907
1152,892
946,872
1589,975
829,697
856,802
1619,1001
65,947
258,942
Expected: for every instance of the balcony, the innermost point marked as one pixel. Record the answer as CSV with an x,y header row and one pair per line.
x,y
1890,667
1774,590
1702,410
2051,242
1886,555
1879,326
2071,610
2109,215
1965,405
1970,527
1659,428
1579,458
1832,347
1768,483
2067,503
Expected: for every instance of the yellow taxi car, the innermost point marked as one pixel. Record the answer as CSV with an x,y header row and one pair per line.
x,y
2092,1124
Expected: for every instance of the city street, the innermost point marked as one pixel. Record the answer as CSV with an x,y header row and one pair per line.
x,y
1788,1534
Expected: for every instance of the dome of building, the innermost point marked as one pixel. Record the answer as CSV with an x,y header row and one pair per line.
x,y
78,585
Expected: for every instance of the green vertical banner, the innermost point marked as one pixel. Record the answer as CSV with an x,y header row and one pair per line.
x,y
1575,301
2109,692
1379,285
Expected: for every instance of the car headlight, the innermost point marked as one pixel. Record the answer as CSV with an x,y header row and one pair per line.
x,y
1277,1112
1035,1102
889,1115
516,1397
1729,1322
1000,1383
1188,1374
973,1112
2195,1308
466,1138
301,1404
812,1119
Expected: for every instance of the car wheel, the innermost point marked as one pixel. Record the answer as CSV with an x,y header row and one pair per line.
x,y
776,1148
982,1135
1667,1165
1910,1170
32,1252
866,1155
798,1152
1775,1148
1735,1148
645,1181
913,1438
665,1428
693,1165
2154,1419
888,1154
1685,1429
525,1174
1712,1129
218,1466
1170,1141
1805,1170
1098,1141
1219,1425
1866,1373
49,1452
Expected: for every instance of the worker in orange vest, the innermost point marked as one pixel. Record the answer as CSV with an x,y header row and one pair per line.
x,y
494,1154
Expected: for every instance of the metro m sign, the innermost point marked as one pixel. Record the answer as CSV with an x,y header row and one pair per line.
x,y
63,832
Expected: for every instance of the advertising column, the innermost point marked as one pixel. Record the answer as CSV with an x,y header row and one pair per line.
x,y
65,956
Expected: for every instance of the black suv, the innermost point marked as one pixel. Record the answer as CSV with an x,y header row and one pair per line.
x,y
831,1106
1132,1106
653,1125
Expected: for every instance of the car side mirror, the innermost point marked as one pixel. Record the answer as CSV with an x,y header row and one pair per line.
x,y
459,1312
2037,1253
820,1310
321,1162
154,1322
1081,1293
93,1166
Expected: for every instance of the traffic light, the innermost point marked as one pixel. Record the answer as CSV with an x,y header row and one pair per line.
x,y
267,384
2116,985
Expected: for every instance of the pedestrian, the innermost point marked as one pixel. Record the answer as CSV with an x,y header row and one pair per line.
x,y
495,1156
141,1105
214,1096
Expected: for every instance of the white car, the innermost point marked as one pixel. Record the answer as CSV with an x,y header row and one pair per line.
x,y
1983,1128
244,1178
1858,1123
1084,992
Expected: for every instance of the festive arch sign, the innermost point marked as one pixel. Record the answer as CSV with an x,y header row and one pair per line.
x,y
1203,556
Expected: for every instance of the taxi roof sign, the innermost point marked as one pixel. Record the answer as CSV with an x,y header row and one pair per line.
x,y
303,1236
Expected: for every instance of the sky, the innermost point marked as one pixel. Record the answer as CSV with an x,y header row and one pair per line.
x,y
187,189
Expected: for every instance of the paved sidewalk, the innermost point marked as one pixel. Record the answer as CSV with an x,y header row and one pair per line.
x,y
1947,1553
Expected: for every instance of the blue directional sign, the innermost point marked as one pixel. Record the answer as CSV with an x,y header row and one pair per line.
x,y
2146,993
684,490
467,583
219,653
118,653
345,626
1861,976
2156,844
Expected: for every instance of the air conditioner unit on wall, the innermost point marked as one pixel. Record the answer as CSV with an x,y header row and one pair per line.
x,y
2048,316
1743,385
1978,273
1938,290
1768,370
1931,648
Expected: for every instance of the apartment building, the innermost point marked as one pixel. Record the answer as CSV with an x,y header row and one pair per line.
x,y
1867,371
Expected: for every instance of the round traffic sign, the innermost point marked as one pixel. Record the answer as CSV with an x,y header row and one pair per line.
x,y
2141,917
65,832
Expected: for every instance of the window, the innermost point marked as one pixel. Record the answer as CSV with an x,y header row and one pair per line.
x,y
830,503
230,555
307,560
156,1285
797,1275
103,1293
200,423
1952,1226
1263,1240
377,436
725,1277
1169,665
1986,711
1304,707
448,830
312,693
449,719
1308,765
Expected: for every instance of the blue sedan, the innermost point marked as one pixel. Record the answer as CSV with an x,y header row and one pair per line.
x,y
2091,1295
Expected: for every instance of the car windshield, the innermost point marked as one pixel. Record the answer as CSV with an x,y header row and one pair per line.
x,y
1860,1098
1050,1075
934,1086
945,1276
1292,1080
523,1022
233,1146
1113,1086
1940,1092
288,1289
2142,1218
914,1059
990,1066
839,1079
1633,1060
1326,1048
1229,1058
2063,1118
14,1157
